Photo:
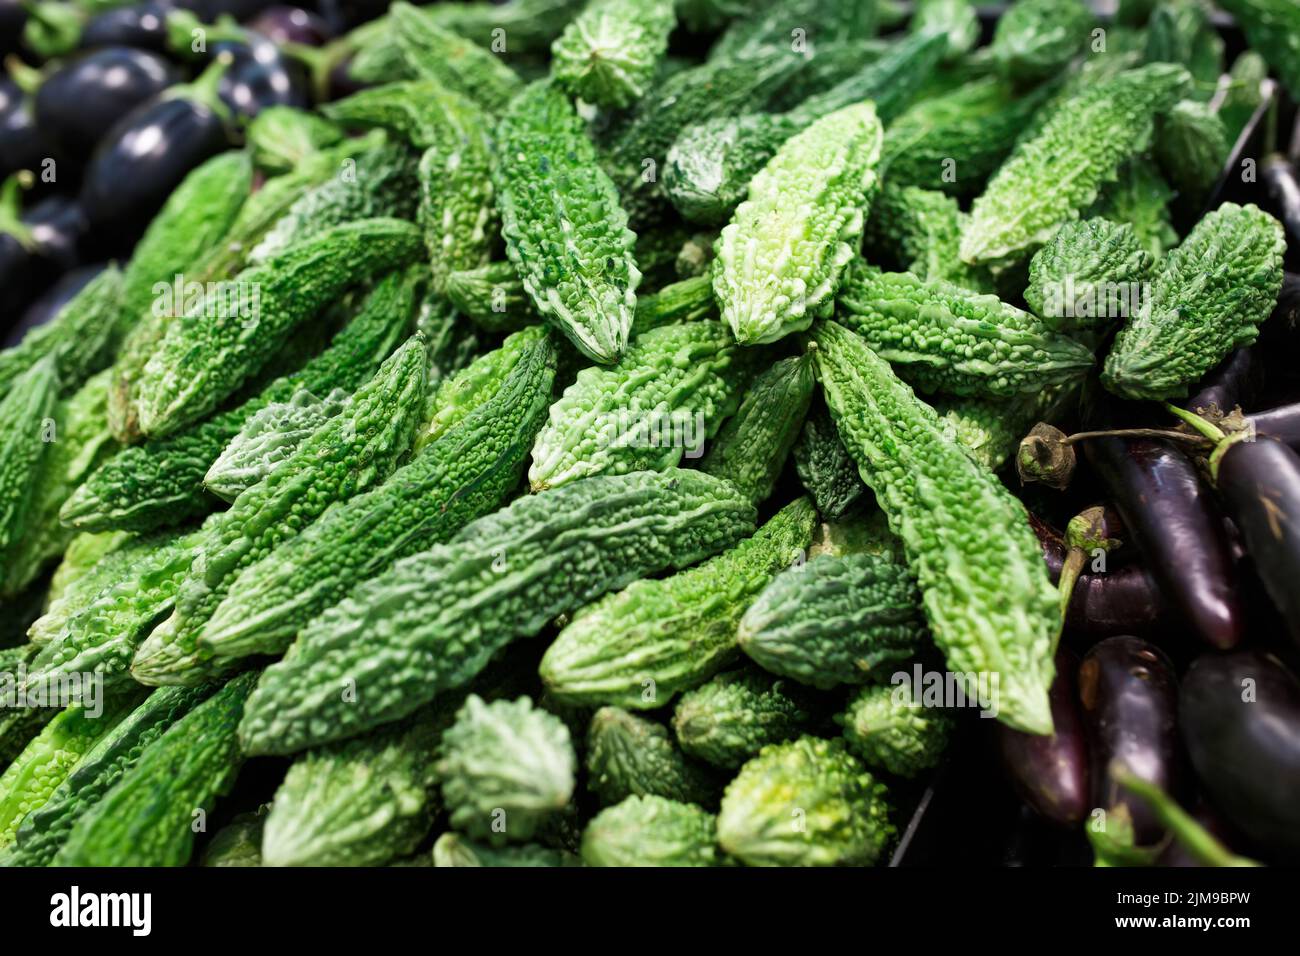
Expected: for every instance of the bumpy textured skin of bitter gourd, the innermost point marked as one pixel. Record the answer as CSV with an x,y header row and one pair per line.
x,y
1056,174
564,228
146,818
46,762
102,637
202,359
44,830
1208,297
161,483
669,393
1140,198
652,831
492,297
451,61
464,474
954,19
267,439
80,336
986,594
991,429
1076,280
781,257
1273,28
362,802
25,417
825,468
100,560
629,755
609,53
1183,33
452,849
954,141
889,729
751,449
81,442
943,338
85,552
18,725
281,137
771,24
919,231
531,25
737,714
438,617
351,453
843,810
688,300
638,647
504,767
839,619
1035,39
1191,147
238,843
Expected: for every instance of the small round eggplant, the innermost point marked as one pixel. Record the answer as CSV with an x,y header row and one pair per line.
x,y
141,25
1240,716
1050,771
281,24
261,75
1282,423
1130,708
52,234
23,144
80,102
1176,524
1259,482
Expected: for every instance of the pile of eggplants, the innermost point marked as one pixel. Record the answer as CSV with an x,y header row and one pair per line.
x,y
104,112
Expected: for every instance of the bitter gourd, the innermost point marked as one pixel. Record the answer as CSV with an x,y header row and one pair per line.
x,y
668,394
44,830
781,257
149,817
889,728
774,25
504,766
452,849
638,647
825,468
267,439
652,831
1182,32
351,453
530,25
437,618
954,19
83,584
608,54
18,725
281,137
839,619
467,471
1078,149
629,755
48,760
363,802
238,843
684,301
991,429
752,446
1273,28
440,55
1140,198
1035,39
161,483
1191,147
1243,93
564,228
1088,275
1208,297
25,421
919,231
737,714
805,803
492,297
943,338
985,589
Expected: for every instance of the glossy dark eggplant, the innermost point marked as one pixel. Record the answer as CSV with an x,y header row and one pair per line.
x,y
48,304
1259,482
1240,716
79,103
1129,698
261,75
23,145
1051,772
1283,185
281,24
54,231
149,151
1282,423
141,25
1237,380
1176,524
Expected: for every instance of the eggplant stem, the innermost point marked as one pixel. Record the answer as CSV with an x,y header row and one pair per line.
x,y
1207,428
1197,840
1071,568
1167,433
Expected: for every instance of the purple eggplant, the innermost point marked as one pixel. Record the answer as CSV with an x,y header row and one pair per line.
x,y
149,151
1129,697
1237,380
291,25
141,25
45,242
1259,482
48,304
261,75
80,102
23,145
1282,423
1174,521
1283,185
1050,772
1240,716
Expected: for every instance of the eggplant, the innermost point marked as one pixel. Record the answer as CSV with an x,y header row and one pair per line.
x,y
261,75
79,103
281,25
1176,524
48,304
1237,380
1282,423
1240,716
149,151
1259,482
1283,185
23,145
52,233
141,25
1051,772
1129,696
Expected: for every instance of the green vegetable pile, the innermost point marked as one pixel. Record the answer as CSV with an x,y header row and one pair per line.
x,y
564,454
